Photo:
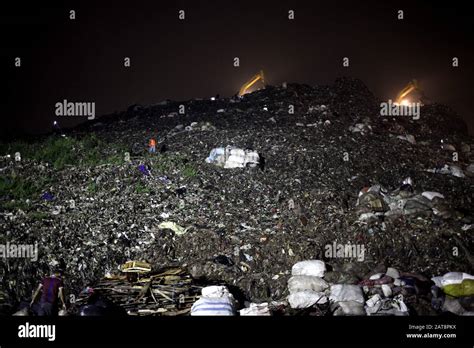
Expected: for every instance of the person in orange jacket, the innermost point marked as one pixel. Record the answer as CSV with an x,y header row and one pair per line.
x,y
152,146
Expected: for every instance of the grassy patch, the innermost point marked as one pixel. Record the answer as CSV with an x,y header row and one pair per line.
x,y
190,171
15,189
169,163
92,187
14,205
38,215
140,188
62,151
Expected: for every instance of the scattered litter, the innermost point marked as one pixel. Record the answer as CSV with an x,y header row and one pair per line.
x,y
430,195
144,170
47,196
256,309
173,226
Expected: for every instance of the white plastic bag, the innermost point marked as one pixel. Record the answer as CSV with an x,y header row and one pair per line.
x,y
431,195
349,308
346,292
451,278
307,298
301,283
314,268
215,291
256,309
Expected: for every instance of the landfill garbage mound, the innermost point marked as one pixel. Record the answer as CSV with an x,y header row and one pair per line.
x,y
292,173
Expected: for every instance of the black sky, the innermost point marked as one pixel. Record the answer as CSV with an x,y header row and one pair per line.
x,y
82,60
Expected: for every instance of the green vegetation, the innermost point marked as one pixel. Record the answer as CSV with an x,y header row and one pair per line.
x,y
62,151
189,171
15,189
140,188
38,215
92,187
87,151
14,205
168,163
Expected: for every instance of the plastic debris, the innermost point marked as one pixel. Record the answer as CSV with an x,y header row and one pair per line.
x,y
47,196
231,157
117,212
215,301
303,282
315,268
256,309
307,298
144,170
173,226
346,292
348,308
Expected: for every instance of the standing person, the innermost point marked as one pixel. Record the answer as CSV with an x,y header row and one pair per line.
x,y
152,146
52,290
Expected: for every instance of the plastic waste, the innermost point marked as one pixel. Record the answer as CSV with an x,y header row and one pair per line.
x,y
22,312
388,306
430,195
144,170
231,157
451,278
173,226
215,301
465,288
306,299
387,290
346,292
256,309
215,291
348,308
449,169
301,283
315,268
47,196
371,302
392,273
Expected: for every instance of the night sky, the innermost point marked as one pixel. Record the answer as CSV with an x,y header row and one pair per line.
x,y
83,59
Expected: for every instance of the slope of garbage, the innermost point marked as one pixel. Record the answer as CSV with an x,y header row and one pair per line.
x,y
321,168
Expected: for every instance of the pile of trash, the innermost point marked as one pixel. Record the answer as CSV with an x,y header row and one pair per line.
x,y
296,193
306,285
376,202
380,294
167,292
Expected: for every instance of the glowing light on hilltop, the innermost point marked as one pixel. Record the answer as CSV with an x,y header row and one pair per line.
x,y
405,102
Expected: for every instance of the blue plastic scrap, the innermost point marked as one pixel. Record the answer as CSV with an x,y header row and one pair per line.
x,y
144,169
